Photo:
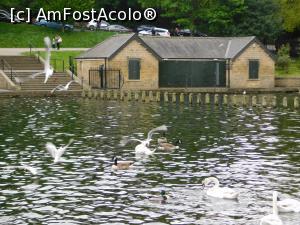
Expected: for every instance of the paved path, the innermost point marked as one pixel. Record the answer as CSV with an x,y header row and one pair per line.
x,y
18,51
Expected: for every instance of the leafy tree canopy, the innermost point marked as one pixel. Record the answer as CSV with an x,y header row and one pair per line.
x,y
290,13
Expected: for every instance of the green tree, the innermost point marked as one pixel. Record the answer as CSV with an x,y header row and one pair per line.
x,y
187,13
283,58
290,13
260,18
59,5
224,17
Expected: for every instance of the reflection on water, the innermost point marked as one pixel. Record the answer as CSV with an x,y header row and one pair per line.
x,y
253,151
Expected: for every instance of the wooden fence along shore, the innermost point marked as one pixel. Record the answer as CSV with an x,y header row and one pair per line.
x,y
252,100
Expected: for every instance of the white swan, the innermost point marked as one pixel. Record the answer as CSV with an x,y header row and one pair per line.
x,y
288,205
143,147
48,71
57,153
62,87
219,192
272,219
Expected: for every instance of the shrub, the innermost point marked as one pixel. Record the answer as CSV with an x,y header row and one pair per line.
x,y
284,60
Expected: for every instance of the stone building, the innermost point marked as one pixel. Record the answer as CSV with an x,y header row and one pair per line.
x,y
148,63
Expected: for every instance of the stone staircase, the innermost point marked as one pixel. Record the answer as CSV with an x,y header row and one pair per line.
x,y
24,66
23,62
37,84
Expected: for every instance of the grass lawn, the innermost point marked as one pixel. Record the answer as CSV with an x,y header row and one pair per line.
x,y
59,59
294,69
21,35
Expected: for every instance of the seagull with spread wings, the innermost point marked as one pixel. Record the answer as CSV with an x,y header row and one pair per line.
x,y
143,147
62,87
56,153
48,70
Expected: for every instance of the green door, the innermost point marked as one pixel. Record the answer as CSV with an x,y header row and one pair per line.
x,y
192,74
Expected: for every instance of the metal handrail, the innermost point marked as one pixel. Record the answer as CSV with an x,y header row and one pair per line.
x,y
7,67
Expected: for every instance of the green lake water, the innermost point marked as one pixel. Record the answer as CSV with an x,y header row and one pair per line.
x,y
253,151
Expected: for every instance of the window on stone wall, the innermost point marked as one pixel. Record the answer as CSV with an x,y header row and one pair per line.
x,y
134,69
253,69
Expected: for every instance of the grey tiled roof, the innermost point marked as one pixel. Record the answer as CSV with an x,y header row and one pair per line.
x,y
174,47
106,48
197,48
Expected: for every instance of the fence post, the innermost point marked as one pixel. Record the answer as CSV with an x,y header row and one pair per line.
x,y
181,98
115,95
143,96
106,94
296,102
150,96
198,99
166,97
191,98
225,99
121,95
234,100
207,98
264,101
284,102
244,100
129,95
157,96
102,94
174,97
136,95
274,101
216,99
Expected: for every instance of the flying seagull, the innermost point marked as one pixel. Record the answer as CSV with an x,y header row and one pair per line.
x,y
48,71
56,153
143,147
62,87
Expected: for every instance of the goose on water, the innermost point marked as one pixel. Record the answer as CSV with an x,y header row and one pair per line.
x,y
163,145
121,165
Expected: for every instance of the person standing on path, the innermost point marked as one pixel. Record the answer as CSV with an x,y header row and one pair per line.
x,y
58,40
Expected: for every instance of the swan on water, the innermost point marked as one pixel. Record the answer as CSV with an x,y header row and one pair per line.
x,y
217,191
288,205
272,219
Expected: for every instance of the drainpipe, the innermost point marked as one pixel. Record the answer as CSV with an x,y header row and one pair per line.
x,y
105,69
228,71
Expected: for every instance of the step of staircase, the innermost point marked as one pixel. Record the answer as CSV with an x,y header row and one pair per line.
x,y
37,84
23,62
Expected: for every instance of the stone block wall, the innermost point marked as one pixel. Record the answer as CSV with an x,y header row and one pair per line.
x,y
239,73
149,66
